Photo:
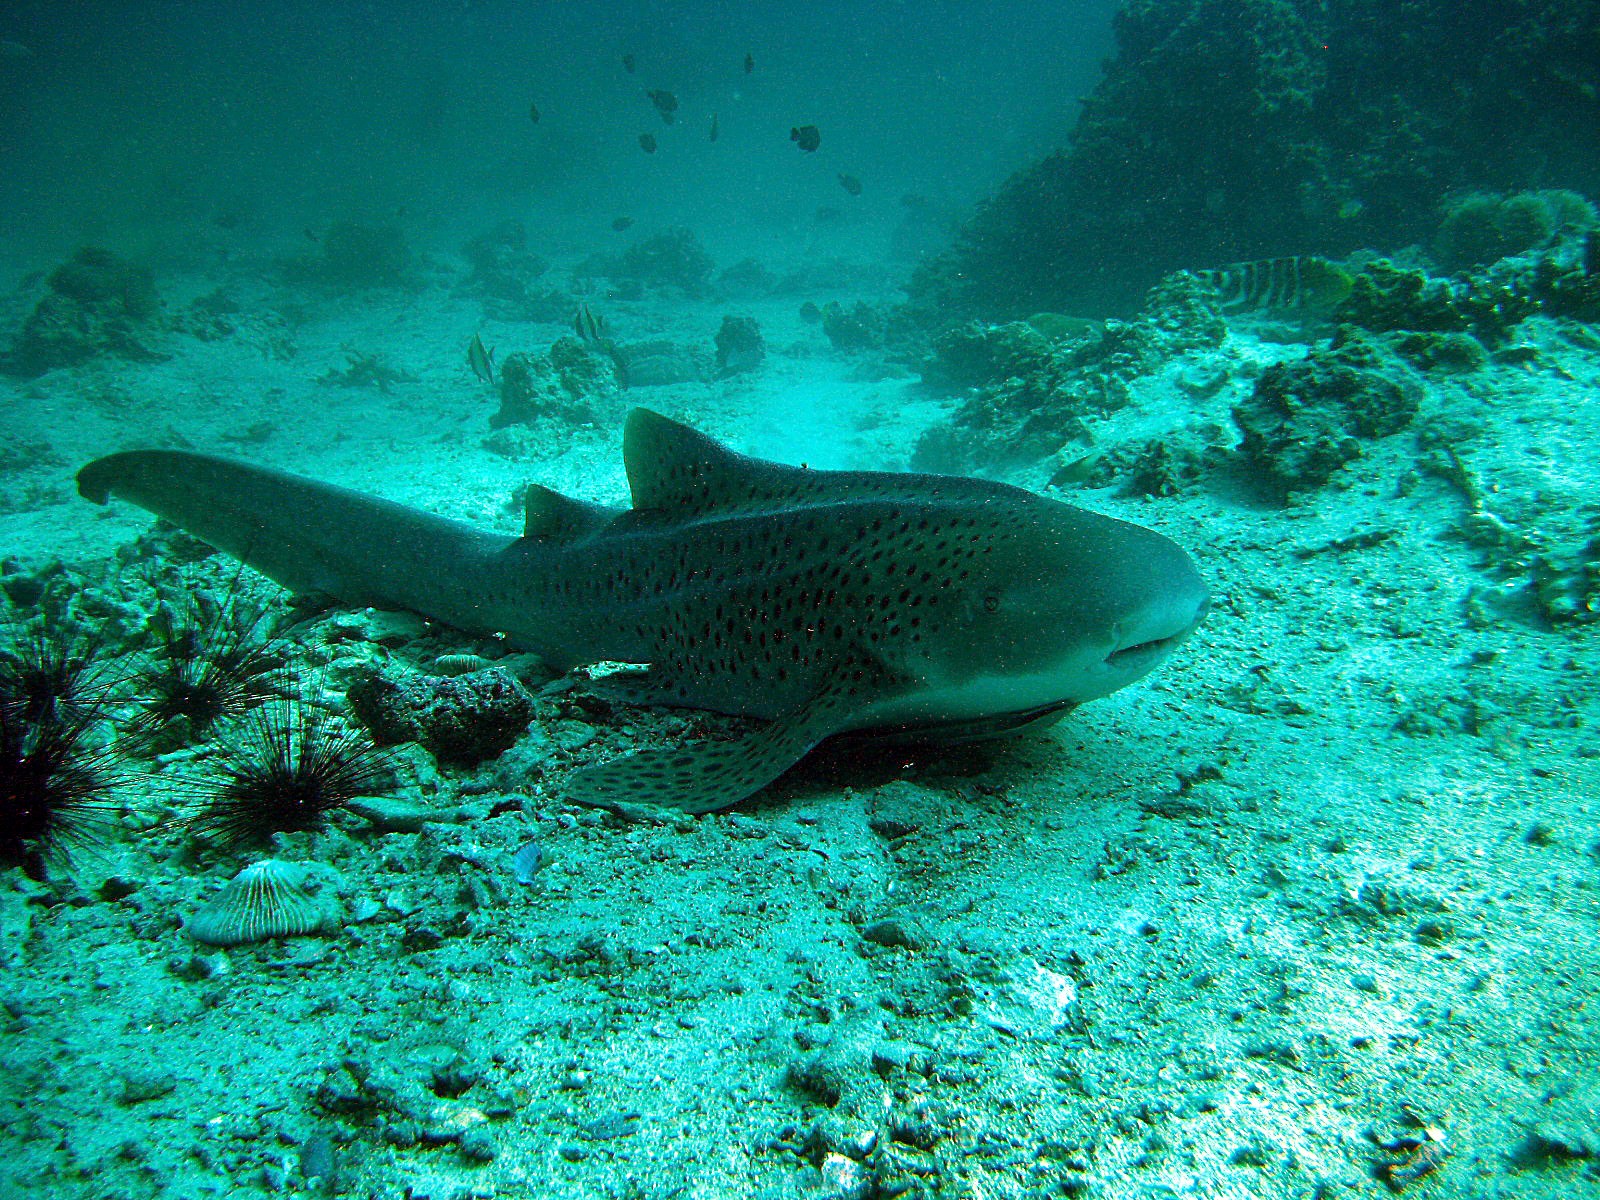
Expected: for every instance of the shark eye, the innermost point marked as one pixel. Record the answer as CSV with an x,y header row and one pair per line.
x,y
991,602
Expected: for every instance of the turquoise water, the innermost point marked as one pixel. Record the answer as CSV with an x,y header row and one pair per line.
x,y
1252,852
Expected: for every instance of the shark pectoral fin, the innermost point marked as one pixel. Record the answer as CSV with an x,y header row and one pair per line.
x,y
708,776
642,686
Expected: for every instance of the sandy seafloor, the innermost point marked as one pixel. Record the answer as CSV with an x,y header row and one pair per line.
x,y
1371,908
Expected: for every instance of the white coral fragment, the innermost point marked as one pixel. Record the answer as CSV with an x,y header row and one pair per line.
x,y
267,899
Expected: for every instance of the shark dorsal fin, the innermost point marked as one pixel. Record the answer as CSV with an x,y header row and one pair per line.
x,y
672,468
550,515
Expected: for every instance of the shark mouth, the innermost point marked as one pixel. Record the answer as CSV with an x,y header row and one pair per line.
x,y
1154,648
1151,649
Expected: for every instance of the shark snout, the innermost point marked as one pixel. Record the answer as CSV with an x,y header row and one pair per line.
x,y
1145,637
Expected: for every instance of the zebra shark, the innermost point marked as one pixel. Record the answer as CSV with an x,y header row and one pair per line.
x,y
818,602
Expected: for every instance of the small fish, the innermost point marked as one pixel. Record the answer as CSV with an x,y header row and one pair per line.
x,y
666,104
533,113
850,184
309,234
647,142
622,223
713,127
525,863
589,325
627,63
749,63
1299,282
480,360
807,137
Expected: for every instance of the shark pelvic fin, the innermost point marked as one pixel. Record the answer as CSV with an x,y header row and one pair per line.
x,y
708,776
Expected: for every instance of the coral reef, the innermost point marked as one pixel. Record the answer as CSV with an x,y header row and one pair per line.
x,y
1483,227
1308,417
1030,394
98,304
354,255
505,271
460,719
1227,130
672,258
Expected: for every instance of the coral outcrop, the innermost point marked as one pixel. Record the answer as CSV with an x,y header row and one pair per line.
x,y
98,304
1226,130
1308,417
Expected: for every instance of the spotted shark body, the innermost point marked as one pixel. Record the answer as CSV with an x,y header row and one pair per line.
x,y
819,602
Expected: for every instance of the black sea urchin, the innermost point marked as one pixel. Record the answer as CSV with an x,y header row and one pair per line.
x,y
282,768
52,670
54,784
214,661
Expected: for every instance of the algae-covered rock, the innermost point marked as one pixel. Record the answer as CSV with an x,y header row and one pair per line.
x,y
1449,353
1387,297
740,347
463,718
566,383
1565,585
98,305
1309,417
662,363
673,258
976,354
859,327
99,277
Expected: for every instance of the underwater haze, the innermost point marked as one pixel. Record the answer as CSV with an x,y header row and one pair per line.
x,y
140,122
832,602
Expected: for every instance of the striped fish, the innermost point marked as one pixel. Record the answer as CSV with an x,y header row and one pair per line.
x,y
1299,282
480,360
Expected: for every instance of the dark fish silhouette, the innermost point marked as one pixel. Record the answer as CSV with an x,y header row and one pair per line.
x,y
749,63
627,63
714,128
647,142
666,104
621,223
850,184
533,113
807,137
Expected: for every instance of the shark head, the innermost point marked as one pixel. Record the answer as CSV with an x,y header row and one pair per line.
x,y
1059,606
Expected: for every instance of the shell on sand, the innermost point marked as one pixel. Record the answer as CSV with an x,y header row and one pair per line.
x,y
267,899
